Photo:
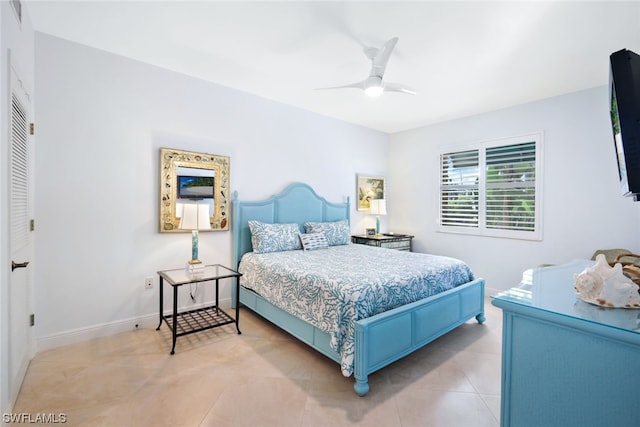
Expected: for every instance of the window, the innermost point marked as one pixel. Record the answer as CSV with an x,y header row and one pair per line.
x,y
493,188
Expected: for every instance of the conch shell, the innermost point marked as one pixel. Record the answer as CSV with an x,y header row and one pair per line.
x,y
606,286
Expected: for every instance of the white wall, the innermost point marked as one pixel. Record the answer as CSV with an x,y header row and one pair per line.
x,y
101,120
16,40
582,208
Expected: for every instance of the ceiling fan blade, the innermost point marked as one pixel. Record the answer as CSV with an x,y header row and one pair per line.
x,y
357,85
379,62
395,87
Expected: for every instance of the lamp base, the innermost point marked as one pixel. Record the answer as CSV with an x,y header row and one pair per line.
x,y
194,261
194,270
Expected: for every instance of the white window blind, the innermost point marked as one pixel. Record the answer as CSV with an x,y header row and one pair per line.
x,y
492,188
510,190
459,188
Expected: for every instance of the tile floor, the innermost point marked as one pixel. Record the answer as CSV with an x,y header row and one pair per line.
x,y
263,377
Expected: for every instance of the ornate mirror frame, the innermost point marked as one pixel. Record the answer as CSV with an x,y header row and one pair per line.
x,y
170,161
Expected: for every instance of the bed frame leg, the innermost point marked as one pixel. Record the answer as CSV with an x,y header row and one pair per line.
x,y
361,386
480,318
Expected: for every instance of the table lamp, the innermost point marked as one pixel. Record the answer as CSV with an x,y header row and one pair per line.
x,y
377,207
195,217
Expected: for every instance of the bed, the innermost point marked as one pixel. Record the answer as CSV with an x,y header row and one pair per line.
x,y
375,330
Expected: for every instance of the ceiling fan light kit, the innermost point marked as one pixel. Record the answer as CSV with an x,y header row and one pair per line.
x,y
374,91
374,85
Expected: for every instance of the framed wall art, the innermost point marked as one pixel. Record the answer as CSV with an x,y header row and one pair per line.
x,y
369,188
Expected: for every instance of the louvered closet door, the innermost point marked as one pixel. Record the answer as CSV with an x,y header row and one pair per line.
x,y
20,336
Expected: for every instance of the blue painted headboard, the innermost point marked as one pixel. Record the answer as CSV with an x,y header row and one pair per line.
x,y
297,203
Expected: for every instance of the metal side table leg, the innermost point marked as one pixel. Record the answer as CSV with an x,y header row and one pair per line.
x,y
161,303
175,319
238,305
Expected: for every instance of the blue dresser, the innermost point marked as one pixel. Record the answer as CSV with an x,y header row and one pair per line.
x,y
566,362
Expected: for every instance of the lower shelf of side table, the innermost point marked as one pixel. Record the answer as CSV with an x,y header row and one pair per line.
x,y
198,320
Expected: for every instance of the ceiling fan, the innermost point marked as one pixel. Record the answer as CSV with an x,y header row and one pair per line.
x,y
374,85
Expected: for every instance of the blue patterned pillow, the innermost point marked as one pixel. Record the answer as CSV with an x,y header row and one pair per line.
x,y
267,237
313,241
337,233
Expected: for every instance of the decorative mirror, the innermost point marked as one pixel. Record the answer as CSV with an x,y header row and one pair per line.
x,y
193,178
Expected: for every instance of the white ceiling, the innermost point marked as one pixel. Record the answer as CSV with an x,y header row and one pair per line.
x,y
463,58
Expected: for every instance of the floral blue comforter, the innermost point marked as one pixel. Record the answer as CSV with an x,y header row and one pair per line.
x,y
332,288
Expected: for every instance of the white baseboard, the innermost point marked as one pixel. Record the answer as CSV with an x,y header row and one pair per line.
x,y
87,333
111,328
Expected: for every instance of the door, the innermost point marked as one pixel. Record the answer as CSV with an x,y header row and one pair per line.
x,y
20,242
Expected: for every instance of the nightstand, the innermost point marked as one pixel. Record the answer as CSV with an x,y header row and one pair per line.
x,y
191,321
401,242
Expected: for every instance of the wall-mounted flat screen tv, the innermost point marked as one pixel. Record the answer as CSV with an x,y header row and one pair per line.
x,y
624,97
195,187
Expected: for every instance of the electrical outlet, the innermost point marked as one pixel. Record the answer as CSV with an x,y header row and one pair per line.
x,y
148,283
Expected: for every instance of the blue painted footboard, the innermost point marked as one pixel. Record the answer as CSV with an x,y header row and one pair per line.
x,y
389,336
382,339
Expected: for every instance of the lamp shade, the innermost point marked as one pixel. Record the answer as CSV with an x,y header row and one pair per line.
x,y
378,207
195,217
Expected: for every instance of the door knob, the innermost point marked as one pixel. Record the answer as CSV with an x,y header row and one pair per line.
x,y
15,265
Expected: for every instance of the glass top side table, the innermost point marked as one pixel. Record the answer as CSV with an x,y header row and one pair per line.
x,y
199,319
